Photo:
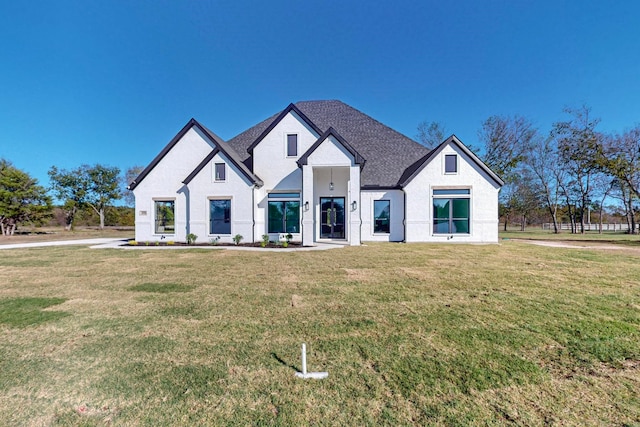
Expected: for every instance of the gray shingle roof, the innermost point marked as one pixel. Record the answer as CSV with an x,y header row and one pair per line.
x,y
388,152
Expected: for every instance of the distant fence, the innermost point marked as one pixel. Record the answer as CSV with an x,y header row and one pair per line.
x,y
590,227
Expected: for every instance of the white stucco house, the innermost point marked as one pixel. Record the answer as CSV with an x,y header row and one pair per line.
x,y
321,171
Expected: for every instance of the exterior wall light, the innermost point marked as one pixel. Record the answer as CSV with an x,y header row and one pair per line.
x,y
354,205
306,206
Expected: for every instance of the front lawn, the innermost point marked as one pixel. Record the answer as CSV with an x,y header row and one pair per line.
x,y
411,334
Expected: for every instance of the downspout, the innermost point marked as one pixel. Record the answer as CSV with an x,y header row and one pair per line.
x,y
253,212
404,217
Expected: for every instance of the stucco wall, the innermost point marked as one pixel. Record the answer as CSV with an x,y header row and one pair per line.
x,y
396,199
483,206
235,187
279,172
164,182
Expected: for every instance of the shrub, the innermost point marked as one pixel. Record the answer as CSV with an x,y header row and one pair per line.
x,y
265,240
237,238
215,240
191,238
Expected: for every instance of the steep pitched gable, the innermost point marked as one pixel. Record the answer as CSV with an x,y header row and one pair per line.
x,y
278,119
221,145
357,158
417,167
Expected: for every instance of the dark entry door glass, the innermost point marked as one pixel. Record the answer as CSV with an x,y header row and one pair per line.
x,y
332,217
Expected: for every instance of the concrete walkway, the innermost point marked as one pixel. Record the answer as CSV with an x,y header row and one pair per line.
x,y
109,243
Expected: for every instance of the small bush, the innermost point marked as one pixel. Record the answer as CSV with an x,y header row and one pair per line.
x,y
191,238
237,238
214,241
265,240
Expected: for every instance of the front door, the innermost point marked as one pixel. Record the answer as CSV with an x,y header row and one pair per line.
x,y
332,217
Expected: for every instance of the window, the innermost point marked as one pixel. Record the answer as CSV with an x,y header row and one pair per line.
x,y
220,216
292,145
381,215
451,163
284,215
220,173
451,214
165,217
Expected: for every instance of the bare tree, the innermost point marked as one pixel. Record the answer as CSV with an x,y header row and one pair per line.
x,y
129,175
542,162
579,148
506,140
430,134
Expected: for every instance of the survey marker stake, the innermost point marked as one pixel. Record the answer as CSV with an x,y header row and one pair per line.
x,y
304,374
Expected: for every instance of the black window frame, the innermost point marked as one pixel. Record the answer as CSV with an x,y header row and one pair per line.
x,y
217,167
380,221
452,197
447,163
286,202
226,219
292,145
168,224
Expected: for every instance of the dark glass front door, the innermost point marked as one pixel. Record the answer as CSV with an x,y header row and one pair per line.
x,y
332,217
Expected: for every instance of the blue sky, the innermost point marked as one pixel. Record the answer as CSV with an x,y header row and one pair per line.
x,y
111,82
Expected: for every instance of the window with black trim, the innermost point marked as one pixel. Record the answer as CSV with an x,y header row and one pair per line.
x,y
451,211
165,218
382,216
292,145
283,213
220,172
451,163
220,216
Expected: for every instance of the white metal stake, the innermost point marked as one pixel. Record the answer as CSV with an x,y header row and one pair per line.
x,y
304,374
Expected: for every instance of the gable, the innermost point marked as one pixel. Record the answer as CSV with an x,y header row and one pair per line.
x,y
191,155
388,153
290,108
435,161
330,148
207,168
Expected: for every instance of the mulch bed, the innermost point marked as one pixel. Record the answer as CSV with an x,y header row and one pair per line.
x,y
248,245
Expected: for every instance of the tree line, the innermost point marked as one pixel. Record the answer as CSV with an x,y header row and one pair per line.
x,y
571,171
93,188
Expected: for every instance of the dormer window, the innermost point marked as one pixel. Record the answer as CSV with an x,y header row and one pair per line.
x,y
451,163
220,173
292,145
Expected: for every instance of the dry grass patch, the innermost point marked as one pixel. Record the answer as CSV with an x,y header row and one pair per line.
x,y
410,335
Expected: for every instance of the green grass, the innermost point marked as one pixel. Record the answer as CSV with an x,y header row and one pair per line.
x,y
22,312
411,334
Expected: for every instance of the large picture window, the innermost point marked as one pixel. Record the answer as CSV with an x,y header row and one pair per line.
x,y
284,215
451,213
220,216
165,218
381,216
